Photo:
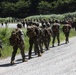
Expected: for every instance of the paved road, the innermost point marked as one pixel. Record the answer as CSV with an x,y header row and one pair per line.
x,y
60,60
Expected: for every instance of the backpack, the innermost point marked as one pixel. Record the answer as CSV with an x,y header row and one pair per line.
x,y
46,32
55,28
31,31
66,28
15,38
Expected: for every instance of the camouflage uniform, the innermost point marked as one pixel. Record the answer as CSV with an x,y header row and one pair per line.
x,y
66,29
34,41
40,45
20,46
74,25
46,36
55,31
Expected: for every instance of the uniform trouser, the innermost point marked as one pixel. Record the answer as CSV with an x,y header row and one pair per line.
x,y
58,39
49,38
40,44
67,37
35,42
15,48
45,42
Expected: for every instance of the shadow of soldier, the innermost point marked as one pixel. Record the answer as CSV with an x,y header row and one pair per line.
x,y
9,65
33,56
6,65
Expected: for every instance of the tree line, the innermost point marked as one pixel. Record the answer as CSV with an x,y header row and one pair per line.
x,y
24,8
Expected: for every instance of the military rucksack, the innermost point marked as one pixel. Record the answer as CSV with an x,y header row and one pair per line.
x,y
66,28
31,31
15,38
46,32
55,28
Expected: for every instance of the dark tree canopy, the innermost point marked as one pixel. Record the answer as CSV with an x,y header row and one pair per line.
x,y
24,8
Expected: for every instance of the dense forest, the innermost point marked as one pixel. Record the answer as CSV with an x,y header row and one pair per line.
x,y
24,8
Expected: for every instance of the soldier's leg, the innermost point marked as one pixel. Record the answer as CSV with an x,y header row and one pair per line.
x,y
22,48
53,40
58,38
41,49
40,45
35,50
68,37
37,47
46,43
30,48
14,54
49,41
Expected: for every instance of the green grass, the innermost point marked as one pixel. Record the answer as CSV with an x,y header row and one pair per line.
x,y
7,49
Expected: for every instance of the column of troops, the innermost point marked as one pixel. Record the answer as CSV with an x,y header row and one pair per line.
x,y
40,34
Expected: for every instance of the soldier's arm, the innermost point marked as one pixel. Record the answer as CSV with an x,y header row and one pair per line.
x,y
22,35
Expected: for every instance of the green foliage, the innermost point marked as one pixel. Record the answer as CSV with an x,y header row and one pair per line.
x,y
44,6
24,8
64,16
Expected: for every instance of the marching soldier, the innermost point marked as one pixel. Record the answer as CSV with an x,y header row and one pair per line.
x,y
55,31
66,30
20,45
32,33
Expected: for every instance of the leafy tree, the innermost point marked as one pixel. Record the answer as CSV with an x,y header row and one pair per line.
x,y
44,7
7,9
22,8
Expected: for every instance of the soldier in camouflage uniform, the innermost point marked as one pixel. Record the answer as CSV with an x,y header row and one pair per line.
x,y
55,31
45,36
66,30
20,46
33,40
40,33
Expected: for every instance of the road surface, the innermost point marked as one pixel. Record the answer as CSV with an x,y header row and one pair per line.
x,y
60,60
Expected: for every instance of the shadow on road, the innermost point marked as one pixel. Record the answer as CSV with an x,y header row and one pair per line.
x,y
57,45
9,65
32,56
6,65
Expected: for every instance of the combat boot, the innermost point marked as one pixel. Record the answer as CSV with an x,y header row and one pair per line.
x,y
29,57
12,62
58,44
25,60
39,55
52,45
42,51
